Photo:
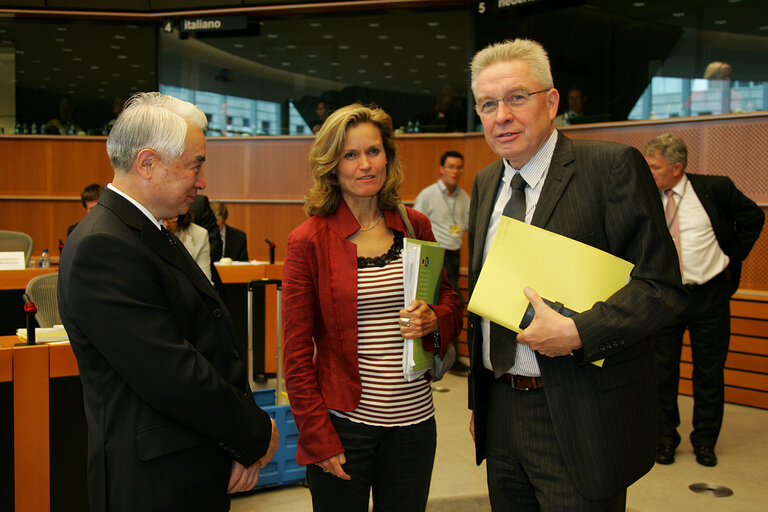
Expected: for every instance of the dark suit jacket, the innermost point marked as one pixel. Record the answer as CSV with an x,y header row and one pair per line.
x,y
165,391
736,219
236,246
606,419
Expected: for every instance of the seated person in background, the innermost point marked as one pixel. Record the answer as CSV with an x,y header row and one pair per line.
x,y
576,101
89,197
65,123
194,238
323,109
233,240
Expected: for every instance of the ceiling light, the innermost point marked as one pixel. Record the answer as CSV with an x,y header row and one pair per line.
x,y
315,24
417,82
77,59
67,50
285,64
338,77
291,46
413,70
135,65
398,47
343,47
374,25
383,36
678,14
19,52
94,67
764,27
272,36
454,47
419,56
720,22
441,36
116,75
388,77
433,24
327,36
311,71
118,36
361,71
59,39
638,4
363,55
440,76
442,64
61,29
80,76
335,64
122,57
367,82
115,46
312,56
386,64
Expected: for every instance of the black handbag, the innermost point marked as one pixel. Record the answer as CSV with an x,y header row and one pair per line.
x,y
441,363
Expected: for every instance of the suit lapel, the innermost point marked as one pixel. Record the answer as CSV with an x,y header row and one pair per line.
x,y
487,189
156,240
558,176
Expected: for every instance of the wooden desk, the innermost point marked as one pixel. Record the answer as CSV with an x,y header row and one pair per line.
x,y
30,369
18,279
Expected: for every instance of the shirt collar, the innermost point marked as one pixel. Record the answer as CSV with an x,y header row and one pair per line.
x,y
535,168
142,209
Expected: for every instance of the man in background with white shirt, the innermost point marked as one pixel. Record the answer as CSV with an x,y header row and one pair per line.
x,y
447,206
714,227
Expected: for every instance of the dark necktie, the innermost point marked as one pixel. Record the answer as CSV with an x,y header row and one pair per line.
x,y
171,239
503,340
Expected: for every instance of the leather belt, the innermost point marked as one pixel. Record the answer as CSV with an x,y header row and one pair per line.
x,y
522,383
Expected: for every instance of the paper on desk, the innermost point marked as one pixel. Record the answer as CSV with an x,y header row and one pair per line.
x,y
557,267
422,271
45,334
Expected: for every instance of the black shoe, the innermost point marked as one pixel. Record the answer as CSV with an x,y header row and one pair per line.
x,y
665,454
705,456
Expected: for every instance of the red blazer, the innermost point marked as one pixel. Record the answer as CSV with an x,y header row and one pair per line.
x,y
320,323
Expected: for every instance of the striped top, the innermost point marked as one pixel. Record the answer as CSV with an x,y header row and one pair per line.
x,y
387,398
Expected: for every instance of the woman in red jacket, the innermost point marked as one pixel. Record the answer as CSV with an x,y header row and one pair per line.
x,y
362,426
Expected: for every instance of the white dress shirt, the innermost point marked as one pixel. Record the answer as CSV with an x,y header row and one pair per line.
x,y
535,173
702,256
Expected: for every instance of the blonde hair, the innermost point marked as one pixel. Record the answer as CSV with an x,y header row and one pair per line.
x,y
518,49
325,192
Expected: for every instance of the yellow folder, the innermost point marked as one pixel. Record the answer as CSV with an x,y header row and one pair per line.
x,y
557,267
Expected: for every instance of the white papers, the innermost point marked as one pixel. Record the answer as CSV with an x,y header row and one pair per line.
x,y
45,334
12,260
411,257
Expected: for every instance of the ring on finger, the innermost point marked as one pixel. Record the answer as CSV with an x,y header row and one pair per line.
x,y
405,322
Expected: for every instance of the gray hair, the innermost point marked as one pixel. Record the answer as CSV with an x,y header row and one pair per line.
x,y
518,49
151,120
671,147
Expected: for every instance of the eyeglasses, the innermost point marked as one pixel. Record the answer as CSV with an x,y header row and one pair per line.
x,y
513,101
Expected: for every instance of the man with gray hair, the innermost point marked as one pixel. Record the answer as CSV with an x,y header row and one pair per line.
x,y
714,226
172,423
559,431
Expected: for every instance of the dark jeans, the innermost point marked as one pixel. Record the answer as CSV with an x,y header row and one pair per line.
x,y
396,462
708,320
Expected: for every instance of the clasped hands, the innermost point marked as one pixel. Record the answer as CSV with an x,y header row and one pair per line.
x,y
245,478
550,333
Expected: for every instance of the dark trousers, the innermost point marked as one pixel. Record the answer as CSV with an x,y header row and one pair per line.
x,y
451,264
708,320
526,471
396,462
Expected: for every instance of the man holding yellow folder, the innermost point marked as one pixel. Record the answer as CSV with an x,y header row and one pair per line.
x,y
558,432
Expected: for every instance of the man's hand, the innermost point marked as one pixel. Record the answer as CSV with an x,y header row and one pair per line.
x,y
242,478
274,441
550,333
472,425
333,465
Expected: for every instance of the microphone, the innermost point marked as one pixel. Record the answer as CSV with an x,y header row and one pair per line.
x,y
271,250
30,310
